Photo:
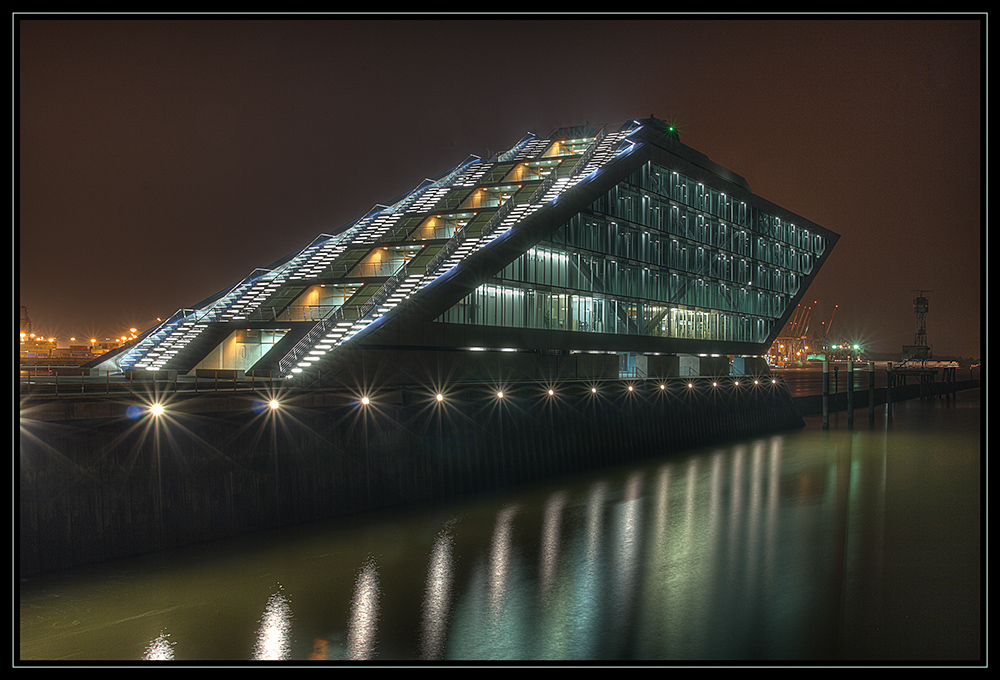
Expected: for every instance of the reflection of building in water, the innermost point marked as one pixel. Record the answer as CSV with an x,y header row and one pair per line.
x,y
687,561
683,564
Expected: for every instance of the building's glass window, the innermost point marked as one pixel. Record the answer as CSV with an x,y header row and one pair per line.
x,y
384,261
659,255
489,197
533,170
441,226
568,147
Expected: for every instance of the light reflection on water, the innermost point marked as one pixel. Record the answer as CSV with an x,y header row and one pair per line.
x,y
160,649
362,630
437,598
274,633
807,545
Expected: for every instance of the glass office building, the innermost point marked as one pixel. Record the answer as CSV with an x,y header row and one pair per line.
x,y
658,255
617,240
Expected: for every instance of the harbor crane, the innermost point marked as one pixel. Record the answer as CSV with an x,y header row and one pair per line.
x,y
791,347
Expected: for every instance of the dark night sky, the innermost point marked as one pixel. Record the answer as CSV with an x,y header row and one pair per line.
x,y
160,161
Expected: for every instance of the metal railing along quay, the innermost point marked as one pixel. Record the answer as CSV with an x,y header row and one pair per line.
x,y
811,392
114,399
53,382
73,383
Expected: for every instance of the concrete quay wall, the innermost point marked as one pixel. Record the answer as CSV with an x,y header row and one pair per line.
x,y
108,480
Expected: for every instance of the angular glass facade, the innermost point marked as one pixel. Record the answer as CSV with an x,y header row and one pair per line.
x,y
615,240
659,255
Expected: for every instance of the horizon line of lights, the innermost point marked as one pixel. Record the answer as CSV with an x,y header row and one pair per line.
x,y
42,338
157,409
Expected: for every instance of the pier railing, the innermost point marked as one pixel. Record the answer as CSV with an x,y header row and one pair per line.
x,y
73,384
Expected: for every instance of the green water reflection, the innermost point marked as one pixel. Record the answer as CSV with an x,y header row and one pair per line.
x,y
815,546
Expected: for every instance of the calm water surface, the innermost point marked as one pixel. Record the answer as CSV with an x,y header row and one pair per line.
x,y
817,546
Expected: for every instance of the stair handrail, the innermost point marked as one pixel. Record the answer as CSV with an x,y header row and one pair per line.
x,y
286,362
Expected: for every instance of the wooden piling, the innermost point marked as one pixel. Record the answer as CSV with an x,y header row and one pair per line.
x,y
826,394
850,394
871,392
